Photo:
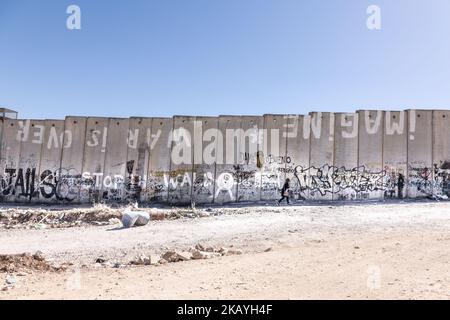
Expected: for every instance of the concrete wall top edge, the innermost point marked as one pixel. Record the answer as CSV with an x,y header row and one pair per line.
x,y
323,112
161,118
103,118
370,110
274,114
207,117
79,117
228,116
248,117
142,118
430,110
118,119
184,117
231,116
295,114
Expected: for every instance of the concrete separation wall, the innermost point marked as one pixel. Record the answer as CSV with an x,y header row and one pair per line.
x,y
395,146
205,151
157,188
321,160
138,157
369,154
297,155
273,152
345,156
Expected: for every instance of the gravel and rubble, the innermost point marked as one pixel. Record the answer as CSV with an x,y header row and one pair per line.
x,y
197,252
39,218
26,262
58,217
43,218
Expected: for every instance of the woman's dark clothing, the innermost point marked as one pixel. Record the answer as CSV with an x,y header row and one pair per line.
x,y
283,192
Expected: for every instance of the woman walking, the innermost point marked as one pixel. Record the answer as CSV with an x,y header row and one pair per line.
x,y
285,192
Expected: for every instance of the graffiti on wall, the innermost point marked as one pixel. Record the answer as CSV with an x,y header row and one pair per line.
x,y
352,183
233,164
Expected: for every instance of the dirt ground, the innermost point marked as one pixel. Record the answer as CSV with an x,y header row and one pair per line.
x,y
359,251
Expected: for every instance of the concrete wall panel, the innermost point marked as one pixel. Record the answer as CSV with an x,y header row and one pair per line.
x,y
345,178
441,153
114,189
297,155
420,153
205,151
27,180
94,159
321,156
227,157
250,161
182,158
159,164
1,141
70,180
50,163
274,155
370,154
395,154
138,156
10,154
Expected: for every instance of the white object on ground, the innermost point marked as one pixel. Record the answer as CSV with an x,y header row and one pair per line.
x,y
135,218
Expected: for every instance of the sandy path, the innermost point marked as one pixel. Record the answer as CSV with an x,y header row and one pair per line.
x,y
371,251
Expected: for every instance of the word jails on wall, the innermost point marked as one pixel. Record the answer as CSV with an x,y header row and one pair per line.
x,y
369,154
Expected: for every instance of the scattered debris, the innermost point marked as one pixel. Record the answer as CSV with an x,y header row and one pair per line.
x,y
194,253
157,215
202,252
10,263
197,254
141,260
234,252
169,256
200,247
41,219
100,260
97,215
185,255
223,251
114,221
203,214
174,256
11,280
155,260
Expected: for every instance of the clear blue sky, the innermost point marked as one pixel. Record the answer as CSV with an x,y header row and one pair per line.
x,y
210,57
